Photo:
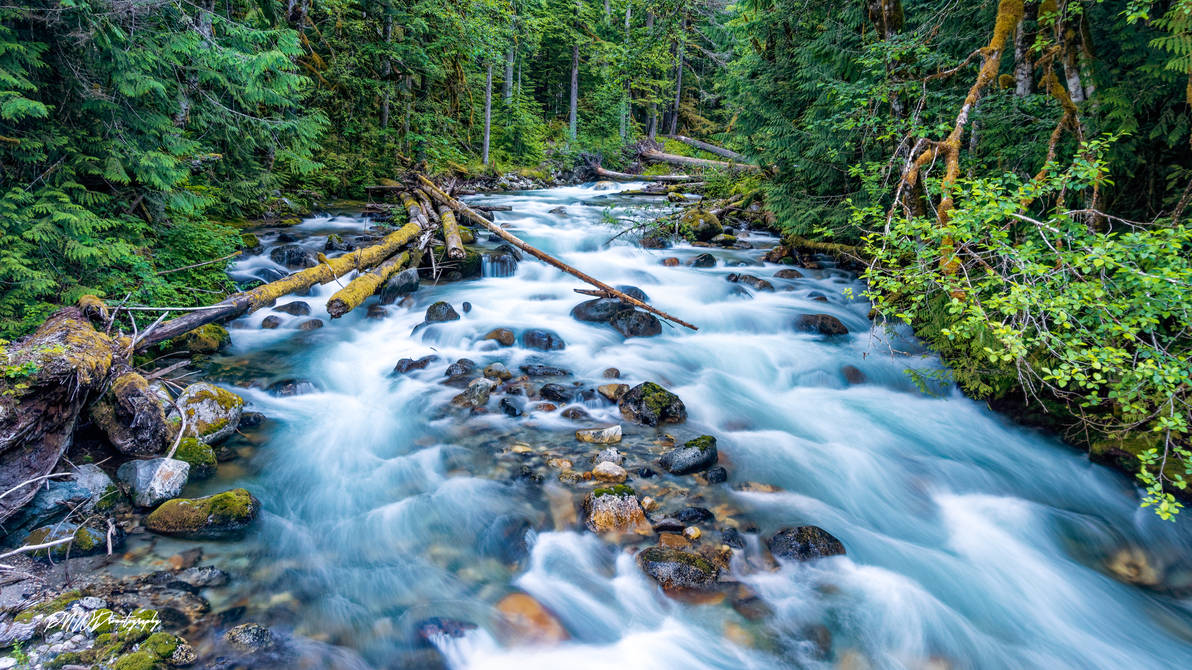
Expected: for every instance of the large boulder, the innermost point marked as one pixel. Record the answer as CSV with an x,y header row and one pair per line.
x,y
804,543
132,417
694,456
55,499
704,260
542,339
615,509
199,455
212,413
206,339
675,569
599,310
155,480
636,323
400,284
703,224
219,516
293,256
475,395
651,405
441,311
824,324
85,541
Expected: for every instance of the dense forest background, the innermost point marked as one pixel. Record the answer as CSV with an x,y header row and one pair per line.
x,y
1018,174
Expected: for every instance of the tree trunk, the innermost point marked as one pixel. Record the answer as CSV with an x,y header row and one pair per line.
x,y
674,120
711,148
571,117
1024,37
673,159
386,68
488,112
624,176
451,239
509,76
359,289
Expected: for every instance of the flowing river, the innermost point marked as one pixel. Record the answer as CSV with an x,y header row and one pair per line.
x,y
971,542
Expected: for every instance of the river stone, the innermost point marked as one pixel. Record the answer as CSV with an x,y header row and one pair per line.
x,y
633,292
220,516
610,455
529,622
55,499
503,336
441,311
824,324
408,364
87,541
612,373
576,413
675,569
609,472
610,435
212,413
250,638
804,543
788,273
599,310
603,186
853,375
286,388
513,407
295,308
475,395
558,211
270,322
542,339
97,482
502,261
203,576
670,262
497,371
155,480
704,261
694,456
651,405
756,282
463,366
538,370
636,323
703,224
612,391
693,516
310,324
293,256
402,283
615,509
555,392
716,475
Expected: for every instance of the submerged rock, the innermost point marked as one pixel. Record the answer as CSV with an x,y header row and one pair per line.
x,y
295,308
538,370
409,364
610,435
853,375
694,456
155,480
293,256
218,516
440,312
804,543
270,322
86,541
788,273
529,622
212,413
824,324
250,638
756,282
291,387
651,405
311,324
675,569
542,339
704,260
636,323
503,336
615,509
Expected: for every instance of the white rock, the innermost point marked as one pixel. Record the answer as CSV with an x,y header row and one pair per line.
x,y
93,603
609,472
92,478
154,481
608,435
212,413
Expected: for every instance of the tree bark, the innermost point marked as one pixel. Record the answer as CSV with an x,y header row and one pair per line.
x,y
571,117
359,289
1024,37
711,148
509,76
624,176
488,112
673,159
674,120
451,238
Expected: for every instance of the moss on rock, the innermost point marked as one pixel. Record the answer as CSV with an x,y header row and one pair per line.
x,y
47,607
221,515
206,339
199,455
137,660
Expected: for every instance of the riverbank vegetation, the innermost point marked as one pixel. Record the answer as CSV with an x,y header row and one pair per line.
x,y
1017,174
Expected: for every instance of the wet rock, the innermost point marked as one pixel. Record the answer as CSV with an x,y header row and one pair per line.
x,y
505,539
777,253
692,533
615,509
612,391
435,627
670,262
503,336
295,308
555,392
155,480
610,435
512,407
96,482
502,261
576,413
788,273
646,473
529,622
497,371
675,569
270,322
220,516
85,541
756,282
651,405
669,525
853,375
633,292
636,323
538,370
199,455
611,373
441,311
723,240
293,256
250,638
694,456
610,455
599,310
310,324
733,538
603,186
703,224
824,324
804,543
475,395
286,388
336,243
692,516
375,311
542,340
703,261
53,501
716,475
409,364
132,416
1133,566
609,472
201,577
402,283
545,407
466,307
464,366
212,413
558,211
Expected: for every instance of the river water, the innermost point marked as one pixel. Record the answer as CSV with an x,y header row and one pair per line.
x,y
971,542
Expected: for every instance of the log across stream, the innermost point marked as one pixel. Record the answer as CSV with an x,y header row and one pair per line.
x,y
397,525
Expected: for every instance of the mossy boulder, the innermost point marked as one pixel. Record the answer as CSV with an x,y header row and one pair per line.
x,y
675,569
701,224
131,415
138,660
651,405
250,243
199,455
694,456
86,541
220,516
206,339
212,413
49,606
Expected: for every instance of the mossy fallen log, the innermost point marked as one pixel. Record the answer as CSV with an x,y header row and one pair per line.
x,y
625,176
710,148
414,209
455,245
359,289
674,159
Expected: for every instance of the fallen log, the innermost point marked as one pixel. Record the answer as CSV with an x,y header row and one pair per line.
x,y
674,159
266,294
710,148
493,208
451,238
359,289
625,176
468,213
414,209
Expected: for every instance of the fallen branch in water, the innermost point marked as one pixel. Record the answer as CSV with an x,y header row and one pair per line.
x,y
469,213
